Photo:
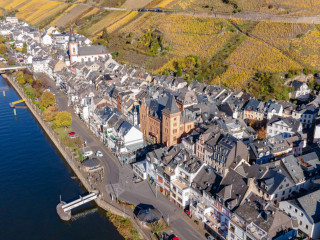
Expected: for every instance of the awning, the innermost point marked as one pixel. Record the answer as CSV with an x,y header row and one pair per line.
x,y
134,147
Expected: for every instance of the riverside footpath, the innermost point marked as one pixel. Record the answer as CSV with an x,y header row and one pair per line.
x,y
103,201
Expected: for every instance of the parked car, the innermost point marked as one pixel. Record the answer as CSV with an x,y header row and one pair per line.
x,y
87,153
99,154
71,133
209,237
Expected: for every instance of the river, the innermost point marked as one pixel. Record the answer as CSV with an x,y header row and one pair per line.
x,y
32,177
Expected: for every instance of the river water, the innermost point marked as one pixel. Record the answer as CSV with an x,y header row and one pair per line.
x,y
32,177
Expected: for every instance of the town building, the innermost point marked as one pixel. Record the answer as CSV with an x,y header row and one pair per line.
x,y
161,121
85,53
285,126
305,210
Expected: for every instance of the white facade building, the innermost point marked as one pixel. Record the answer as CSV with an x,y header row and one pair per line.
x,y
85,53
46,39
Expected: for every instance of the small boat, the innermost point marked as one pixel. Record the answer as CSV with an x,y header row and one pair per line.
x,y
74,177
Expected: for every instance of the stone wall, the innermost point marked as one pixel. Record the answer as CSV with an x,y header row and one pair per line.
x,y
67,156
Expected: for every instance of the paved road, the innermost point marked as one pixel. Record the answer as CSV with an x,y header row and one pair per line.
x,y
244,15
118,178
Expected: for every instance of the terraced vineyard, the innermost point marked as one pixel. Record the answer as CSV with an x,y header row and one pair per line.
x,y
230,51
307,48
279,35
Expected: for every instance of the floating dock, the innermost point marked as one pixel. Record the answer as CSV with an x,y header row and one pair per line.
x,y
64,209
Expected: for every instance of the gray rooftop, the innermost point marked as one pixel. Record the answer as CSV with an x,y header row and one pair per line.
x,y
92,50
171,106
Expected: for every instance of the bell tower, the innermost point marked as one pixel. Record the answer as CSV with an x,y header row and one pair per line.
x,y
171,116
73,47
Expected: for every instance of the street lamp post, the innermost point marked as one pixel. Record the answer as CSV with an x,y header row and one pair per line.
x,y
156,191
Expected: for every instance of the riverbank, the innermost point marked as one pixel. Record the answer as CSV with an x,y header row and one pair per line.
x,y
68,157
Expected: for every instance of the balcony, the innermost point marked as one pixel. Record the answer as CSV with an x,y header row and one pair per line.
x,y
256,232
240,223
213,221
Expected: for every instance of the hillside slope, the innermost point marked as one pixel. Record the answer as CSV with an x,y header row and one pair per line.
x,y
229,51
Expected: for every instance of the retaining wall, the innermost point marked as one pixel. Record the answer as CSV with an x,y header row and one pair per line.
x,y
45,126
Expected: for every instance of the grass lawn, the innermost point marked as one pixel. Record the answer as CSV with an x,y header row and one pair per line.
x,y
62,132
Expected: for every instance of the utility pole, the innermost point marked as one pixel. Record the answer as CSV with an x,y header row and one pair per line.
x,y
156,191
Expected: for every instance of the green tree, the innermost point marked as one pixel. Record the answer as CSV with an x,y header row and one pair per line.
x,y
28,78
105,35
48,99
3,49
179,72
20,78
24,49
63,119
2,39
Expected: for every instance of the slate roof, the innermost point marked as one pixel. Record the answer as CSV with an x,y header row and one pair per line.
x,y
149,215
232,189
296,84
274,106
91,162
272,179
310,203
290,121
92,50
293,168
206,180
259,149
252,105
256,211
171,106
156,106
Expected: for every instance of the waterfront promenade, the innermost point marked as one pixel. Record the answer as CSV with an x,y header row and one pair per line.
x,y
75,165
117,179
33,175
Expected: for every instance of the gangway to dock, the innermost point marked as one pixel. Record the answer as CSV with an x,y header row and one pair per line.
x,y
64,209
12,104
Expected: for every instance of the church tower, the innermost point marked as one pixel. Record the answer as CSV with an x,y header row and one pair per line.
x,y
171,116
135,117
73,47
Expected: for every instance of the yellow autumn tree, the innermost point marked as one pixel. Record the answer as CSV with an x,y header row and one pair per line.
x,y
63,119
48,99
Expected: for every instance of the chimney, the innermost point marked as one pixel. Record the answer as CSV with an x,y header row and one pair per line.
x,y
266,215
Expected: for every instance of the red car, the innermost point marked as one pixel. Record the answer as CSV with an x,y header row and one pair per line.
x,y
71,133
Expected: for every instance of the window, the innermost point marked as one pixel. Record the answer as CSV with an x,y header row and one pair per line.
x,y
289,206
307,226
295,210
232,228
300,222
301,214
